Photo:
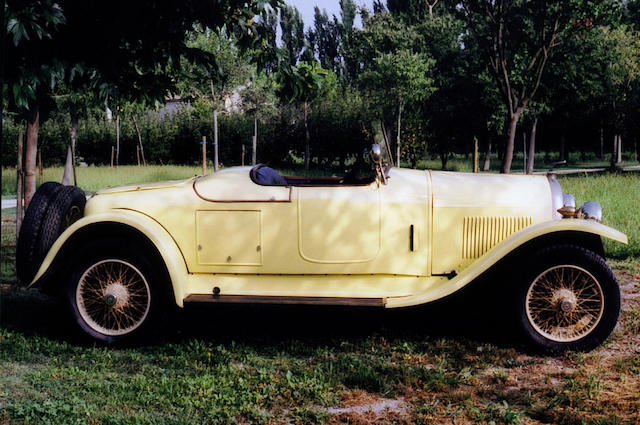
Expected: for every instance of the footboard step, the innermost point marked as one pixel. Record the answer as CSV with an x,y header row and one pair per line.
x,y
258,299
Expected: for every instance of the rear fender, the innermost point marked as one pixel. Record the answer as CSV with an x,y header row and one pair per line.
x,y
114,222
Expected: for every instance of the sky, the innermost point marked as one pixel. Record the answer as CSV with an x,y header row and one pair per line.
x,y
332,6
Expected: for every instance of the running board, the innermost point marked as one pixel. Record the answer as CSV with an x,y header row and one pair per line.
x,y
266,299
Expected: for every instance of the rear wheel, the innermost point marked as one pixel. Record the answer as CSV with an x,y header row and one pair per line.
x,y
114,294
569,299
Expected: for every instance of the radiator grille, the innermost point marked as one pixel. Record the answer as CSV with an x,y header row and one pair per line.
x,y
480,234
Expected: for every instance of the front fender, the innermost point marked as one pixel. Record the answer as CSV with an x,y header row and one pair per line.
x,y
446,287
157,235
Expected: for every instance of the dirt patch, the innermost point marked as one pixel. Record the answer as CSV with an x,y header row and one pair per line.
x,y
361,407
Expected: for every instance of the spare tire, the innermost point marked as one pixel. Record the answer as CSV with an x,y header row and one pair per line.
x,y
53,208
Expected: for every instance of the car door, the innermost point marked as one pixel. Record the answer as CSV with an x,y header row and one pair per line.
x,y
339,224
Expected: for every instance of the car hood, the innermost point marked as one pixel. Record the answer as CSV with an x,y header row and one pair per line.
x,y
468,190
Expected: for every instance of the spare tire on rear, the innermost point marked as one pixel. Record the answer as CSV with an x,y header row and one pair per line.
x,y
53,208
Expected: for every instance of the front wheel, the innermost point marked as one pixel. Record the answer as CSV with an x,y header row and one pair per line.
x,y
569,299
113,296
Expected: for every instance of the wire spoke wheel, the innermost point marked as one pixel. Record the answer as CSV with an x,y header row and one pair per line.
x,y
564,303
113,297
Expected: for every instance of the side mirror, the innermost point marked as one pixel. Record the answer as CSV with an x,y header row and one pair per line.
x,y
376,154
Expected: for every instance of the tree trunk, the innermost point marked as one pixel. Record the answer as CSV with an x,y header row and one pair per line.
x,y
601,155
508,153
524,152
387,143
398,135
33,122
117,140
444,157
532,146
307,137
431,6
140,148
74,138
487,156
70,166
19,185
563,147
614,151
66,175
215,138
40,171
255,139
215,127
619,151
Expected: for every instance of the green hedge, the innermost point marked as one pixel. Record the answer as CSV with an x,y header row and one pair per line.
x,y
335,128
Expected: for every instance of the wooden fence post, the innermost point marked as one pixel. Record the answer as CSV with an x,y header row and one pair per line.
x,y
204,155
475,154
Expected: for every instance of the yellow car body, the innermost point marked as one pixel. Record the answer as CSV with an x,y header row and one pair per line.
x,y
420,237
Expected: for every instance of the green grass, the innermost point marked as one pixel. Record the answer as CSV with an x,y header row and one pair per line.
x,y
544,161
619,195
293,365
277,372
95,178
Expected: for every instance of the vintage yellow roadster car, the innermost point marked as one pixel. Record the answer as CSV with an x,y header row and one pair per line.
x,y
394,238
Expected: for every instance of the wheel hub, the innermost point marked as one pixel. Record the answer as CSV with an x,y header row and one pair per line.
x,y
565,300
116,295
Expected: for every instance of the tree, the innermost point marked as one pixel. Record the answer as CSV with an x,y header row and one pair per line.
x,y
30,25
324,39
404,75
215,81
517,37
258,96
292,27
303,84
128,48
395,79
622,52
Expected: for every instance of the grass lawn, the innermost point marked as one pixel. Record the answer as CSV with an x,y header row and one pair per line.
x,y
94,178
258,364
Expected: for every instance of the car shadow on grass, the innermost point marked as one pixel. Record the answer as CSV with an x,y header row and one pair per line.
x,y
466,315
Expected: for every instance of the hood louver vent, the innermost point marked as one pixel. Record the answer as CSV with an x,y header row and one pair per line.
x,y
480,234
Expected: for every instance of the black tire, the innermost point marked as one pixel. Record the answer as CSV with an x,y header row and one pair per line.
x,y
104,307
568,299
27,257
64,209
